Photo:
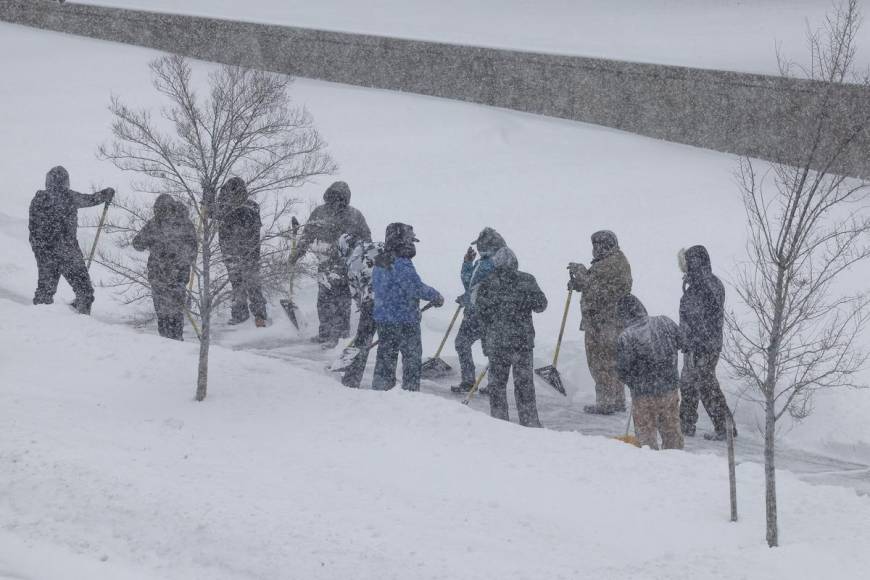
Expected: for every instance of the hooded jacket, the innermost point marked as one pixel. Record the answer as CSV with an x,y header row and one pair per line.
x,y
398,291
359,257
239,228
54,214
494,253
333,218
702,307
170,237
646,350
605,283
505,303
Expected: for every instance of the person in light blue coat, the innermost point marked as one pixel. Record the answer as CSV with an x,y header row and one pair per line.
x,y
398,290
494,253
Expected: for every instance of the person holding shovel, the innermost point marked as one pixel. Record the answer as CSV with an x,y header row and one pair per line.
x,y
505,302
606,281
647,352
398,290
53,226
359,256
170,238
494,252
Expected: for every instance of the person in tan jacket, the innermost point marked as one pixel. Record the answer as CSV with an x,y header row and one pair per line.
x,y
602,285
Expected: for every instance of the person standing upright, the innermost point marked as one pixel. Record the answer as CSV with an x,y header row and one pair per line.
x,y
494,252
606,281
53,226
398,291
702,316
326,224
239,237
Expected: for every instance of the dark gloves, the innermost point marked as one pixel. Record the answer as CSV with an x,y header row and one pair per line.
x,y
438,302
106,195
470,255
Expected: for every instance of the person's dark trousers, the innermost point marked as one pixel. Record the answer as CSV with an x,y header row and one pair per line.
x,y
470,331
522,364
365,331
698,381
169,299
333,310
246,289
393,339
71,265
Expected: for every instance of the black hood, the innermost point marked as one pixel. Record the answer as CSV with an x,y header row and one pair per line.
x,y
604,243
399,241
164,207
698,261
489,242
233,193
337,195
630,309
57,179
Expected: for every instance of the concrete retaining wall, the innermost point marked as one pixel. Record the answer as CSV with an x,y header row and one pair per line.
x,y
737,113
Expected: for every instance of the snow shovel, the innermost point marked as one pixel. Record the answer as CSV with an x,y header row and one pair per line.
x,y
350,352
630,439
97,236
435,367
474,387
549,373
287,303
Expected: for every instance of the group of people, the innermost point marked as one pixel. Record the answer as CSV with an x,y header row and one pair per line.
x,y
625,347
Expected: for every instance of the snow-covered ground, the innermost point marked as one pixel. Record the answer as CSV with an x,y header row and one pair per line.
x,y
738,35
282,473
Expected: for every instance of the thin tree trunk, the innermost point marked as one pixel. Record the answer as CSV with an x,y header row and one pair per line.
x,y
770,472
205,309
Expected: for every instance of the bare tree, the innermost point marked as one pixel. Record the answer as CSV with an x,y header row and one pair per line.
x,y
245,126
806,226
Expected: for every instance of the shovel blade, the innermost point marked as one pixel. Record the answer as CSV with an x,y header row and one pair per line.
x,y
435,368
630,439
552,377
290,309
345,359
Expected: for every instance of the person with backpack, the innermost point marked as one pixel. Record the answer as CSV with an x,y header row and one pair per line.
x,y
702,316
494,252
53,226
239,237
505,302
359,256
170,237
398,290
606,281
327,223
647,352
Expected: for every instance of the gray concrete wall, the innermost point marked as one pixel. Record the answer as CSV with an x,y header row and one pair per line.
x,y
737,113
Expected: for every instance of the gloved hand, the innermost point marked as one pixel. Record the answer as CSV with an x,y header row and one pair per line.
x,y
470,255
438,302
107,194
459,299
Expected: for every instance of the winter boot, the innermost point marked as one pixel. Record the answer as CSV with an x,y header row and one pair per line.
x,y
81,306
716,436
688,430
600,409
461,388
329,343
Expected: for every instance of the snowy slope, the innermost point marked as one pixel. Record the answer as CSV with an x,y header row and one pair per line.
x,y
284,474
739,35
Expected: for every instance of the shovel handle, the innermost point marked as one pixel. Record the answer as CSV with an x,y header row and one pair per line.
x,y
97,236
562,328
475,386
447,334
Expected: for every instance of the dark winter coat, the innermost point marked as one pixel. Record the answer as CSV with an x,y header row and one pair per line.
x,y
239,227
54,215
335,217
702,307
170,237
603,285
398,291
505,303
494,253
647,350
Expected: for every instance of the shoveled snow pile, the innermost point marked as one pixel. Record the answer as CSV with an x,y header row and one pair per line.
x,y
737,35
285,474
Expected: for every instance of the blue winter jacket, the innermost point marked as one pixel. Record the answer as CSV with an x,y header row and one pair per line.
x,y
472,274
398,291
